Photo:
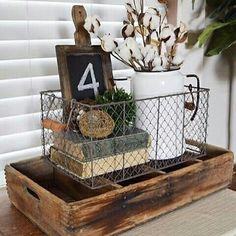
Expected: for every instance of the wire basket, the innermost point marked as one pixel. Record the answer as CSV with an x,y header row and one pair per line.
x,y
100,144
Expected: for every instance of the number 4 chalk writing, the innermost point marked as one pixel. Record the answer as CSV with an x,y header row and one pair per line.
x,y
94,85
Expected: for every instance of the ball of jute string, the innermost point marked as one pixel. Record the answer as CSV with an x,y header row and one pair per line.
x,y
96,124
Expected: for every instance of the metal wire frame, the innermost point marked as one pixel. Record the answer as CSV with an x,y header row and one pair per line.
x,y
158,135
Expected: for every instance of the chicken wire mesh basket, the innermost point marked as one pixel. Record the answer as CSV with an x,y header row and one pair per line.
x,y
114,142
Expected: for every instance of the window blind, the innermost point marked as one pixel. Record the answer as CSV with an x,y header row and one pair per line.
x,y
29,31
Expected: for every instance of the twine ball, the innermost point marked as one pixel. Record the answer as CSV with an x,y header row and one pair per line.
x,y
96,124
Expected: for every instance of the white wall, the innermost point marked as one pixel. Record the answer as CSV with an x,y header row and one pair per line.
x,y
215,73
195,19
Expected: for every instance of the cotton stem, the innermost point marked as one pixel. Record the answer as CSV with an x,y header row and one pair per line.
x,y
115,55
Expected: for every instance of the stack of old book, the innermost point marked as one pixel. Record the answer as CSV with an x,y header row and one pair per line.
x,y
85,158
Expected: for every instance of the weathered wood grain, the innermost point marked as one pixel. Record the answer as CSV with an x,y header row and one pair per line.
x,y
143,201
233,183
73,210
82,37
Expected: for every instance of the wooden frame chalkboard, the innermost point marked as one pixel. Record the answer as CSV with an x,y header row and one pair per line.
x,y
84,71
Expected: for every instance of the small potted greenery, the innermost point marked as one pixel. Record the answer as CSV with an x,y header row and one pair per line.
x,y
121,108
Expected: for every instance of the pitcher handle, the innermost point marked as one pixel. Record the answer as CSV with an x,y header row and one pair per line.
x,y
192,105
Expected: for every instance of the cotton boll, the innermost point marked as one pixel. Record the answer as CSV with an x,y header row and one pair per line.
x,y
128,31
150,55
168,36
166,31
136,4
133,6
156,61
133,46
148,52
108,43
124,53
151,21
129,7
144,50
161,8
131,43
136,54
152,11
157,64
177,60
135,17
171,41
88,23
146,19
92,24
164,62
183,27
96,24
154,23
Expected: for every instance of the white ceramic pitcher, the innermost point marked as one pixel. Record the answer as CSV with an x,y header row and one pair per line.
x,y
161,115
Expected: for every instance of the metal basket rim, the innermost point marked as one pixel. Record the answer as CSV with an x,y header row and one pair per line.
x,y
51,93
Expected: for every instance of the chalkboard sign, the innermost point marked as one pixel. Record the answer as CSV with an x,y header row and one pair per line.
x,y
84,72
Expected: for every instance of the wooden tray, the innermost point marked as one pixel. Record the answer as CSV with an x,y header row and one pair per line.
x,y
61,206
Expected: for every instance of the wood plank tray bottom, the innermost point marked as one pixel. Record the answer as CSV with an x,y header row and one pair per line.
x,y
61,206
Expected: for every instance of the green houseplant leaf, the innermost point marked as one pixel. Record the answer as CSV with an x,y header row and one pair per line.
x,y
222,38
208,31
220,34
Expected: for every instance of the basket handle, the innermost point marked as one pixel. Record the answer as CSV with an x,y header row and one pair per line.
x,y
192,105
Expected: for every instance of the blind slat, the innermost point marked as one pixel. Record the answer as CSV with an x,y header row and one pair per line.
x,y
34,48
20,141
15,30
30,49
10,157
19,106
27,87
18,124
111,2
8,11
19,87
9,52
36,67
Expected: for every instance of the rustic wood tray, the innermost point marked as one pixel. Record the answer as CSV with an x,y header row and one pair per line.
x,y
61,206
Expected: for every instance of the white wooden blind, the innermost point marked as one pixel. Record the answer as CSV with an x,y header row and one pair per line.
x,y
29,31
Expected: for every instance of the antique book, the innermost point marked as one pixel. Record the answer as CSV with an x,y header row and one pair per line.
x,y
87,169
84,149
